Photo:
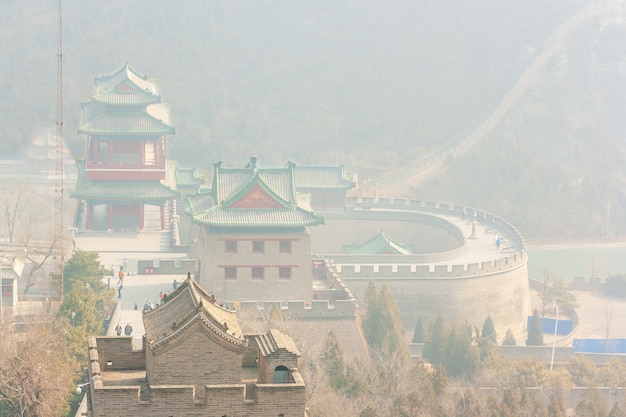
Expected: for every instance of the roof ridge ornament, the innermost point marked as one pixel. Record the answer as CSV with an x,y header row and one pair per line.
x,y
253,163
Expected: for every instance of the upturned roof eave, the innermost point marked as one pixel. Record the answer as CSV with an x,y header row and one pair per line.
x,y
94,132
81,192
99,98
247,186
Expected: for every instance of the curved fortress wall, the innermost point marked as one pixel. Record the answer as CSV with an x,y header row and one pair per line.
x,y
426,284
502,294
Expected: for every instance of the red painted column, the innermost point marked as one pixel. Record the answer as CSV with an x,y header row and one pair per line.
x,y
142,208
110,212
88,226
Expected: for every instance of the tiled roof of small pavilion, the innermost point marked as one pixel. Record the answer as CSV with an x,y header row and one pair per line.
x,y
198,203
252,197
126,73
100,120
321,177
380,244
187,177
182,310
120,191
44,148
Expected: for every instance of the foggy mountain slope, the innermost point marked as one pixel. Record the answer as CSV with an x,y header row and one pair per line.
x,y
333,77
372,84
419,170
554,165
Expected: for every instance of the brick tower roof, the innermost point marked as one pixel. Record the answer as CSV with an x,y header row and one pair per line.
x,y
187,309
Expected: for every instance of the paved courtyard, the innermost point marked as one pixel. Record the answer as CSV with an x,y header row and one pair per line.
x,y
599,316
137,289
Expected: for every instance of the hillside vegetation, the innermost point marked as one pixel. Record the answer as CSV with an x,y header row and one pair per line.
x,y
374,85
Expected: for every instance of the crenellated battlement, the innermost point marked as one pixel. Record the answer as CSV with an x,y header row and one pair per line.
x,y
430,265
450,281
350,268
342,306
443,209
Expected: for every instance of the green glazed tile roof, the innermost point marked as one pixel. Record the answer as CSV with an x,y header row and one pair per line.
x,y
380,244
226,181
245,187
187,177
120,191
127,74
198,203
230,185
124,191
122,98
321,177
126,125
126,104
258,218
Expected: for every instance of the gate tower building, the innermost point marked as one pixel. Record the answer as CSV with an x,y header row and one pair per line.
x,y
125,172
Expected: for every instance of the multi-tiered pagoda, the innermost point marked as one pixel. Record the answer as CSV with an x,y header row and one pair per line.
x,y
123,182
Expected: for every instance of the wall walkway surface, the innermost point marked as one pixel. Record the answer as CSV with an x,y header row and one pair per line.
x,y
469,283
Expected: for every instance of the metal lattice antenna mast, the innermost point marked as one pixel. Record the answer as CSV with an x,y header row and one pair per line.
x,y
58,186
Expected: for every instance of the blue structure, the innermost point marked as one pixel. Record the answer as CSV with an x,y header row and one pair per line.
x,y
600,345
547,325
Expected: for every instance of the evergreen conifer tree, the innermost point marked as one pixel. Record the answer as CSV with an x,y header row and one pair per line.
x,y
374,326
333,362
341,378
487,338
535,337
489,331
84,268
460,358
419,334
382,326
436,341
509,339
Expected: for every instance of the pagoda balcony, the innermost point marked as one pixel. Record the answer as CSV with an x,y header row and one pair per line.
x,y
125,170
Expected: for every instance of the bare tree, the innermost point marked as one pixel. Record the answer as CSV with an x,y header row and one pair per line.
x,y
548,274
39,260
23,212
36,379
